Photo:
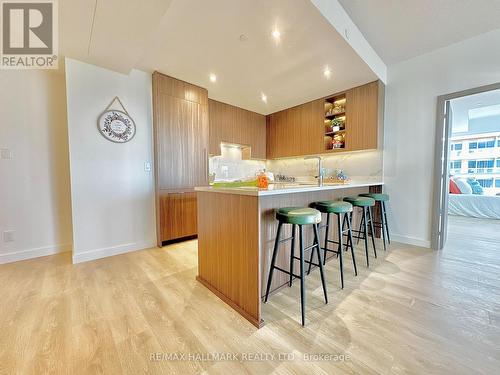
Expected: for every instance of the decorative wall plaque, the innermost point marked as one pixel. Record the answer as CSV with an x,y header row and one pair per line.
x,y
116,126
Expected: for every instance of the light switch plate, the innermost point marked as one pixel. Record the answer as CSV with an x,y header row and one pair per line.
x,y
8,236
147,166
5,153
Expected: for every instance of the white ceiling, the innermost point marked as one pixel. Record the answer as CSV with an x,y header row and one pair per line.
x,y
109,33
189,39
401,29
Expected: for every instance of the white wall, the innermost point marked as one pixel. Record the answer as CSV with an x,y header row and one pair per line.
x,y
112,194
411,96
34,183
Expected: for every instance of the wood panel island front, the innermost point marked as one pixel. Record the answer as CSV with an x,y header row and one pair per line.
x,y
236,233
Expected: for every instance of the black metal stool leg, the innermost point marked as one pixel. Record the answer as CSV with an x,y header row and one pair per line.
x,y
386,223
273,261
365,232
292,253
321,272
372,230
327,228
311,260
341,245
361,225
346,216
302,277
349,240
382,221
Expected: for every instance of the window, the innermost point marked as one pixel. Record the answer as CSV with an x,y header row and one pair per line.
x,y
486,144
481,166
485,163
472,145
498,163
497,183
498,143
485,183
456,165
456,146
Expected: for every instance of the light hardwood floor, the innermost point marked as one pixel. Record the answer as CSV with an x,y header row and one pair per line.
x,y
415,311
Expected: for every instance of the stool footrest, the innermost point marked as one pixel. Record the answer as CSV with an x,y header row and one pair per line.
x,y
286,239
305,261
359,231
293,274
310,247
285,271
336,242
331,251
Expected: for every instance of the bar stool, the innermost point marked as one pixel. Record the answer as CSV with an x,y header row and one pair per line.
x,y
382,224
365,203
341,210
297,216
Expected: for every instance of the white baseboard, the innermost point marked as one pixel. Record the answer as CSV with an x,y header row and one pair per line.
x,y
411,240
16,256
110,251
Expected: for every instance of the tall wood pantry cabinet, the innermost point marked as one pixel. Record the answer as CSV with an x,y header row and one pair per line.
x,y
180,122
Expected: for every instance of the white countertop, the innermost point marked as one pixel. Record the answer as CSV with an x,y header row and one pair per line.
x,y
289,188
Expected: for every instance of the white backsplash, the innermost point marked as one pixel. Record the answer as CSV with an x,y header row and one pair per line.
x,y
360,164
230,166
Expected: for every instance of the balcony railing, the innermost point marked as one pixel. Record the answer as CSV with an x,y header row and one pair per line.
x,y
482,170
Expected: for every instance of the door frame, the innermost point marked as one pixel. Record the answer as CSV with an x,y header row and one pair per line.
x,y
439,221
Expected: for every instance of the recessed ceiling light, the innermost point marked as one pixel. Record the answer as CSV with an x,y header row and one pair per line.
x,y
263,97
327,72
213,77
276,34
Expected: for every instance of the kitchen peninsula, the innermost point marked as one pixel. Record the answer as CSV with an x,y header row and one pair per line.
x,y
236,233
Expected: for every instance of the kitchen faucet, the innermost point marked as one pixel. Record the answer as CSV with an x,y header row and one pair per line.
x,y
320,169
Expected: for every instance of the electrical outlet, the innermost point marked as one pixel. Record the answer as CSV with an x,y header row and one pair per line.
x,y
147,166
5,153
8,236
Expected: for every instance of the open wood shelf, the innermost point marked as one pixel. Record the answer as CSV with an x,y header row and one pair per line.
x,y
335,113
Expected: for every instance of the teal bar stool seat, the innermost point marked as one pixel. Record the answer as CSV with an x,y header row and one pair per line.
x,y
365,204
341,210
297,216
382,224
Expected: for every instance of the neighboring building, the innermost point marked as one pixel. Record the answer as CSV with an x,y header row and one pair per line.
x,y
477,155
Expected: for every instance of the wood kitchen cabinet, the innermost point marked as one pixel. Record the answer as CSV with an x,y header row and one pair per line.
x,y
363,109
296,131
230,124
300,130
180,120
178,214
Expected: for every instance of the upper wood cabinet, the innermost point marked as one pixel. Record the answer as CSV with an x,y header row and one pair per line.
x,y
180,117
362,113
230,124
300,130
296,131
